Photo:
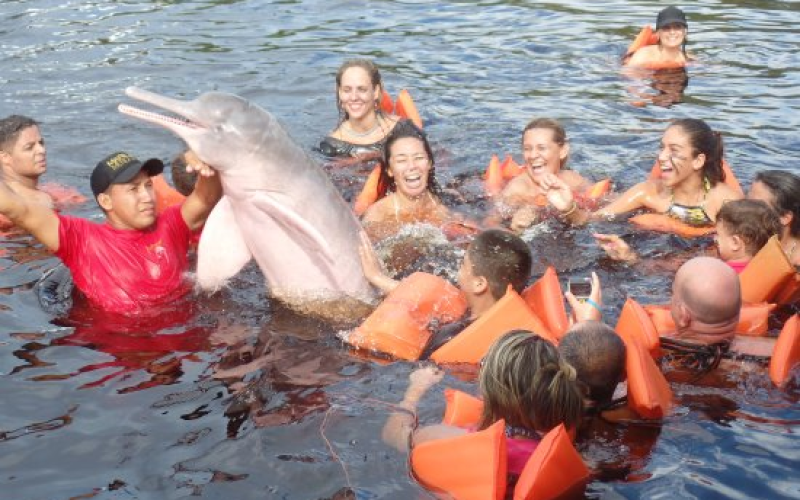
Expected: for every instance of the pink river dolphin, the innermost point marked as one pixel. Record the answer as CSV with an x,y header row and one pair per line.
x,y
279,207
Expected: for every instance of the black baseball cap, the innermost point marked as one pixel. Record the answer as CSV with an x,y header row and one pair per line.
x,y
120,168
670,15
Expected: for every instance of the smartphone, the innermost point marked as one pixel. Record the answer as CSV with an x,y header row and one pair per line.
x,y
581,288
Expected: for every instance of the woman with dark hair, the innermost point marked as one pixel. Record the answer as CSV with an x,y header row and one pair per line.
x,y
407,184
781,191
690,188
362,126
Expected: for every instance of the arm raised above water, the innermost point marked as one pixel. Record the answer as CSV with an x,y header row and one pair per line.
x,y
39,220
207,192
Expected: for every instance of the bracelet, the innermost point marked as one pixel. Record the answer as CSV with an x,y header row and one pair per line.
x,y
571,210
594,304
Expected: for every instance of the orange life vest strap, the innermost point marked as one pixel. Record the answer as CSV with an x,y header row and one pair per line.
x,y
462,409
766,274
546,300
166,195
387,106
404,107
509,313
554,469
634,323
649,394
645,37
468,467
790,293
369,193
399,326
786,353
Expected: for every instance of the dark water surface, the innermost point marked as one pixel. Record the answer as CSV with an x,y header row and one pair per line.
x,y
138,413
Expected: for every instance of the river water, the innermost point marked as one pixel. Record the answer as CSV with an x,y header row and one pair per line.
x,y
139,413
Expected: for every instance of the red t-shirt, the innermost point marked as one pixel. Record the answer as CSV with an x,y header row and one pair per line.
x,y
127,271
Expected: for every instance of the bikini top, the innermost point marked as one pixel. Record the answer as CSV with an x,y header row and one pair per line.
x,y
693,215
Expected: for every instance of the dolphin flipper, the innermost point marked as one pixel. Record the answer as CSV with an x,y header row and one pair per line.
x,y
307,234
221,237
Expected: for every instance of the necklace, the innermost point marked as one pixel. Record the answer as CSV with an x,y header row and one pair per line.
x,y
369,132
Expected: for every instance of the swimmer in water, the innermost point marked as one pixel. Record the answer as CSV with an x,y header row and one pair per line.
x,y
408,176
672,30
690,188
363,126
546,151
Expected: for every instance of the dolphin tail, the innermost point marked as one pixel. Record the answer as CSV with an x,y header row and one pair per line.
x,y
221,236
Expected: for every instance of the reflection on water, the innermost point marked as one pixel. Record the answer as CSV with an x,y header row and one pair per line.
x,y
239,399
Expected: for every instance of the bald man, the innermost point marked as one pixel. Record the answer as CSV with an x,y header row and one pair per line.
x,y
706,300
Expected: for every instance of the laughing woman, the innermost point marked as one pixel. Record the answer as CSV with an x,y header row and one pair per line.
x,y
545,150
362,127
691,188
407,175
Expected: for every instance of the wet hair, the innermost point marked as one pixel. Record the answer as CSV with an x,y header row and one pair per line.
x,y
785,189
525,381
10,128
598,356
184,181
405,129
752,220
559,134
503,258
704,140
374,78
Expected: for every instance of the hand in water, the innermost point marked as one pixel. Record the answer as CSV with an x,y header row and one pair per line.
x,y
523,218
422,379
615,247
587,311
558,193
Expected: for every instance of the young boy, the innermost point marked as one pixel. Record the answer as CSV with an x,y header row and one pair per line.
x,y
493,260
743,228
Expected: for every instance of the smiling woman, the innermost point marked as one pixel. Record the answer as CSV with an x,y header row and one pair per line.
x,y
669,51
363,126
407,174
690,189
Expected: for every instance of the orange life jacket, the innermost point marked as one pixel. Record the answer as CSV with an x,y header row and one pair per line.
x,y
786,353
474,466
649,393
511,312
546,300
399,326
767,274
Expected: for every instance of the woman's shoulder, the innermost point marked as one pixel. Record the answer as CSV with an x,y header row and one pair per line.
x,y
645,55
378,211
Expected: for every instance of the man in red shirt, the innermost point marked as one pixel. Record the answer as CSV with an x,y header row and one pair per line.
x,y
134,260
